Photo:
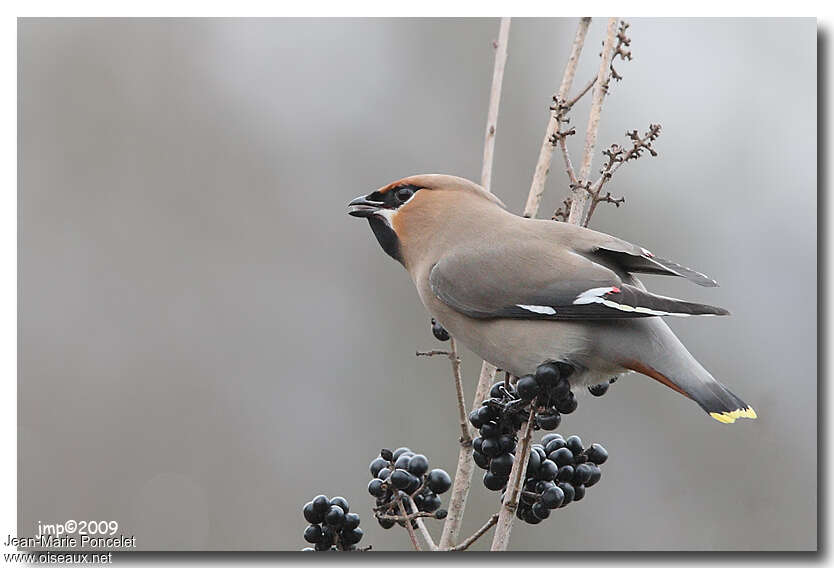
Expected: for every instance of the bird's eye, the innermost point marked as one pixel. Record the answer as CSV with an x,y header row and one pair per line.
x,y
404,193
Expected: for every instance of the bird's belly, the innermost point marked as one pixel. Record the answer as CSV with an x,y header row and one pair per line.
x,y
519,346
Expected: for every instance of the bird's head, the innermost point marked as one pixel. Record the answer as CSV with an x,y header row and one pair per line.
x,y
416,209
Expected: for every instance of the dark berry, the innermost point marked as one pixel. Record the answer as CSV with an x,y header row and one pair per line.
x,y
398,452
386,523
312,534
547,438
547,374
501,465
335,517
351,522
439,481
530,518
553,497
431,503
402,462
322,546
377,465
554,444
517,420
574,444
401,478
539,450
475,418
490,430
527,387
565,369
311,515
308,549
566,473
597,454
413,484
534,463
494,482
507,443
321,504
480,460
540,510
596,474
567,404
441,514
583,473
438,331
578,492
548,420
384,473
562,456
386,454
569,492
490,447
547,471
560,390
598,390
418,465
487,413
497,390
353,536
341,502
375,488
477,445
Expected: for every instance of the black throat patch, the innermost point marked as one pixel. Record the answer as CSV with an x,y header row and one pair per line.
x,y
387,238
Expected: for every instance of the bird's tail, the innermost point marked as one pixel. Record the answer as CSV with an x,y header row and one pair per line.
x,y
664,358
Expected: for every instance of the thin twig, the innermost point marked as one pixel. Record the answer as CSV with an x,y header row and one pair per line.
x,y
463,475
501,539
409,528
580,197
424,531
546,151
494,100
476,535
465,434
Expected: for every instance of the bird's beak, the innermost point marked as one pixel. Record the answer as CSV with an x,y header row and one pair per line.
x,y
362,207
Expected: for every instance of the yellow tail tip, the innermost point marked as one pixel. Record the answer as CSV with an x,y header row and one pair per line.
x,y
730,417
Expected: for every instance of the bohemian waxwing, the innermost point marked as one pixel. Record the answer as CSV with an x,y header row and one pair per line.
x,y
520,292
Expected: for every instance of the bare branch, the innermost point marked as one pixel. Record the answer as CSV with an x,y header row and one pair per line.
x,y
476,535
579,197
463,475
422,526
494,100
554,125
507,513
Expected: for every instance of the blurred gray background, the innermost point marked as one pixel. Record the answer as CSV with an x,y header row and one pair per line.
x,y
207,340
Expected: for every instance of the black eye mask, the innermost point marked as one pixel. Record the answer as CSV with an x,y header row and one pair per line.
x,y
394,197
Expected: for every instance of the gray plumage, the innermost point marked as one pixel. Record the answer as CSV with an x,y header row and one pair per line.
x,y
519,292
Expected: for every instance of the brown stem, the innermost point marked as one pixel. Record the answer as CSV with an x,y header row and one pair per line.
x,y
507,512
580,197
409,528
424,531
546,151
494,101
476,535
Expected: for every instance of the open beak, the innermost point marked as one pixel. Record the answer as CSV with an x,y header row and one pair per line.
x,y
361,207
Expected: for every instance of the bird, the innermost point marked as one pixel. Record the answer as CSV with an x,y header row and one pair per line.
x,y
520,292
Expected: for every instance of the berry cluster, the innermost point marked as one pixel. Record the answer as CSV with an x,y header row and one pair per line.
x,y
332,525
550,389
402,476
558,472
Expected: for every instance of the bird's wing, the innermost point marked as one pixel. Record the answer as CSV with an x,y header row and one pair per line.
x,y
532,280
632,258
